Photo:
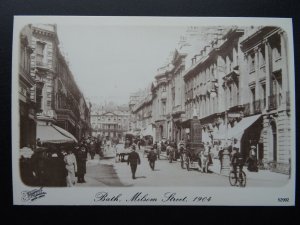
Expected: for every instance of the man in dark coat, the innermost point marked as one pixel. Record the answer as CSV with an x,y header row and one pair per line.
x,y
56,170
152,158
133,160
81,157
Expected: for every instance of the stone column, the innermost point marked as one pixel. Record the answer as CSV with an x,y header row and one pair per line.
x,y
284,67
257,92
268,57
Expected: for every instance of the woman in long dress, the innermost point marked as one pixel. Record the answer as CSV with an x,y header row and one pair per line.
x,y
71,166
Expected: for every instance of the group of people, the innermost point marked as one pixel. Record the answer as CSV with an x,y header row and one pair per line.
x,y
57,165
134,160
238,160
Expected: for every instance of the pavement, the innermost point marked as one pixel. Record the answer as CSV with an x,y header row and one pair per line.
x,y
260,175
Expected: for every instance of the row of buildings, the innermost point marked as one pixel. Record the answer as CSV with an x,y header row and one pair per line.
x,y
48,93
237,84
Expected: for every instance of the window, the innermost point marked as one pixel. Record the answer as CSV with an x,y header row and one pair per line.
x,y
252,62
39,52
276,47
252,94
163,108
49,103
262,59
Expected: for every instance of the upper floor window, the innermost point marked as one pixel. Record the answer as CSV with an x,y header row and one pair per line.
x,y
262,57
275,46
252,62
39,52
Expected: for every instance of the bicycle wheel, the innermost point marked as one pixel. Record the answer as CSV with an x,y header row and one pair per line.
x,y
242,179
232,178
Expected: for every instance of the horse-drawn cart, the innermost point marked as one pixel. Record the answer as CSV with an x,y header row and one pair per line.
x,y
191,157
193,154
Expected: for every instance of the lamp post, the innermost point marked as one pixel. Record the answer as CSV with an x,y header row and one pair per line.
x,y
225,165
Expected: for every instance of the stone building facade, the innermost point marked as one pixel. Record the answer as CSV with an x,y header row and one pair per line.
x,y
266,57
237,84
27,105
57,96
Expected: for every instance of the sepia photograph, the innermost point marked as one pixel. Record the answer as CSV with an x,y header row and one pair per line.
x,y
153,111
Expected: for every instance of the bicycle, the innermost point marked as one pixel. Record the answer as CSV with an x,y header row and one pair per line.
x,y
239,179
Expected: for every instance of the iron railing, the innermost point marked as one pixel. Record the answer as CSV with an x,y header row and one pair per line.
x,y
273,102
247,111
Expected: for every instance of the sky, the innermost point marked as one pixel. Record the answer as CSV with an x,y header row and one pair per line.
x,y
110,62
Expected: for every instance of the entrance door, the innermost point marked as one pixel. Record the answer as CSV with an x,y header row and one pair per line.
x,y
273,141
161,130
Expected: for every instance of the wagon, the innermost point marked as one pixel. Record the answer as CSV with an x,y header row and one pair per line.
x,y
190,157
121,152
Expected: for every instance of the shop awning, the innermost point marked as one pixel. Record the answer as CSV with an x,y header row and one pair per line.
x,y
65,133
54,134
238,130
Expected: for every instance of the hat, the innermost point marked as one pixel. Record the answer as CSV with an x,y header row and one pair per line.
x,y
252,146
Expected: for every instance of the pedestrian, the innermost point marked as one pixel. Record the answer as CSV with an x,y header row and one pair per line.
x,y
252,160
92,149
133,160
170,152
220,155
152,158
56,169
71,166
81,157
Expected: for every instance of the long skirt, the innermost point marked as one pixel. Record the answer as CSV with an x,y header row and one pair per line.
x,y
71,175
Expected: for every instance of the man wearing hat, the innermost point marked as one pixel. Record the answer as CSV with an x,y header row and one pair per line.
x,y
133,160
152,158
236,160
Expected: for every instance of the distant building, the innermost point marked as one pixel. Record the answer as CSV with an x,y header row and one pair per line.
x,y
159,103
110,124
142,116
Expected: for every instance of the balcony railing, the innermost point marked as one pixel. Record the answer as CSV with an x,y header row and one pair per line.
x,y
247,111
177,109
259,105
273,102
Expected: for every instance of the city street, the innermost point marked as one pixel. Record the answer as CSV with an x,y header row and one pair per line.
x,y
107,172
